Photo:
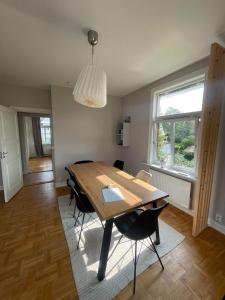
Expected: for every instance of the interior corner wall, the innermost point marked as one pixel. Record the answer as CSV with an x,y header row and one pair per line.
x,y
81,133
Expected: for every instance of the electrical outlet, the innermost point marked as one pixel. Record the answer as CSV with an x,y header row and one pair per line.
x,y
219,218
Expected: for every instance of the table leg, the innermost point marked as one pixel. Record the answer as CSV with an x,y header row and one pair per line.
x,y
157,241
105,249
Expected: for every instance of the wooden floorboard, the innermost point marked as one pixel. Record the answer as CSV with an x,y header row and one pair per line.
x,y
40,164
38,177
34,257
35,262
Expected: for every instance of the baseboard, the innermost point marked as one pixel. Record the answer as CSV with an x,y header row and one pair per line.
x,y
215,225
60,184
1,188
187,211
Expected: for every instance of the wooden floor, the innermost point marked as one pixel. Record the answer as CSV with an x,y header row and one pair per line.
x,y
39,164
38,177
35,262
34,258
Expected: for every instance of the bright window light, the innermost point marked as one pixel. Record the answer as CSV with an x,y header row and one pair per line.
x,y
183,100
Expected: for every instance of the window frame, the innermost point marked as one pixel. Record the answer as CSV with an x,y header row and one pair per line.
x,y
196,116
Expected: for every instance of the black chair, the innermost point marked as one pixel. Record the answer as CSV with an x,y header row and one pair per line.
x,y
139,225
72,178
82,203
119,164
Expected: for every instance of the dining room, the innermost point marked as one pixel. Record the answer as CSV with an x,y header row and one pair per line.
x,y
123,105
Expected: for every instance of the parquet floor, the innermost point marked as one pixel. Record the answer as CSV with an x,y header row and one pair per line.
x,y
39,164
34,258
37,178
35,262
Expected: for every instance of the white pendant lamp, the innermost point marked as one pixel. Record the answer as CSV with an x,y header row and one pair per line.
x,y
90,88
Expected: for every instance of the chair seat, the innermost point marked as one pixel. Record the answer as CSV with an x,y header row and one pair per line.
x,y
133,227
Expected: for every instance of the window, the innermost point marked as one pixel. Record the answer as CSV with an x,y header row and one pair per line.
x,y
45,131
176,122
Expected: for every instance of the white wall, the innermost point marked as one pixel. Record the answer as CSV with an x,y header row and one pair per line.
x,y
137,106
218,193
82,133
11,95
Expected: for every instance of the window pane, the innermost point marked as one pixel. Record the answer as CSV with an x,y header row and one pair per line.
x,y
183,100
184,144
45,122
45,131
163,151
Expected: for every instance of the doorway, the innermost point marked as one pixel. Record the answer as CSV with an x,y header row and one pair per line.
x,y
36,148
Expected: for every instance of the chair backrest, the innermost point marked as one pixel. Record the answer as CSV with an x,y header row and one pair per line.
x,y
118,164
78,195
83,162
146,223
145,176
70,174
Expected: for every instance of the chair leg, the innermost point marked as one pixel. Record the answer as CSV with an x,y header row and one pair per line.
x,y
80,231
115,246
71,196
77,219
135,265
102,225
75,207
156,252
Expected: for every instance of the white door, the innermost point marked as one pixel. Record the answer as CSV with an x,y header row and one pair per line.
x,y
10,152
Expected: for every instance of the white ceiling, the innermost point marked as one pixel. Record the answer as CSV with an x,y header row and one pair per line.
x,y
42,42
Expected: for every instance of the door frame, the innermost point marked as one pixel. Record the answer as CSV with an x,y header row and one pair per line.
x,y
40,111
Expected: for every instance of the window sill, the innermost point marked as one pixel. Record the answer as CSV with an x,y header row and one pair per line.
x,y
173,173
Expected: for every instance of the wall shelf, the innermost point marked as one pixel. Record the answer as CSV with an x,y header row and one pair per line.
x,y
123,135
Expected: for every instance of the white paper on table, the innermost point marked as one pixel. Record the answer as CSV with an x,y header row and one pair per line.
x,y
112,194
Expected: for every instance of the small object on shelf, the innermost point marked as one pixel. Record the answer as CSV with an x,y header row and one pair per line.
x,y
127,119
123,135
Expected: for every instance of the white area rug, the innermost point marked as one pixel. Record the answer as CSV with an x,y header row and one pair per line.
x,y
120,265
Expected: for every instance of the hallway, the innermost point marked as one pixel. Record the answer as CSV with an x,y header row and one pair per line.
x,y
38,178
40,171
40,164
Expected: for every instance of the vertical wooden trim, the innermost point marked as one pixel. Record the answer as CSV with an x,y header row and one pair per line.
x,y
212,105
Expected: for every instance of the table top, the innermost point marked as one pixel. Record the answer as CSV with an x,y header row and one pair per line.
x,y
93,177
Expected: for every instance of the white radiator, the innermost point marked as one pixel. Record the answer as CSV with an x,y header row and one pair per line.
x,y
178,189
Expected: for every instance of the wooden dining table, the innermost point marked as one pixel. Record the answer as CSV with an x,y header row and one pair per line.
x,y
93,177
